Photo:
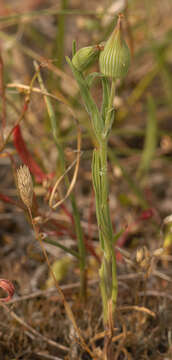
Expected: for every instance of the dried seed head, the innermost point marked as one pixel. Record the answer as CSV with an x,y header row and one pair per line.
x,y
143,257
114,60
85,57
139,255
25,185
145,264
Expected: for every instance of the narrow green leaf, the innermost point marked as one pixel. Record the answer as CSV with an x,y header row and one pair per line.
x,y
117,235
91,107
73,48
57,244
53,120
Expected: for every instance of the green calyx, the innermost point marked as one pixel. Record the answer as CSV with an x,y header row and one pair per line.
x,y
85,57
114,60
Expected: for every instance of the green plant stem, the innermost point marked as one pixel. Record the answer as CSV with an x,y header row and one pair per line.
x,y
101,124
108,274
58,50
108,277
59,45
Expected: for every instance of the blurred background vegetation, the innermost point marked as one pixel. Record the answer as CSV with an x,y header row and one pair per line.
x,y
140,154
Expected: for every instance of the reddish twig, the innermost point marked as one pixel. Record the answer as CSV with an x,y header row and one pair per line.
x,y
26,157
8,287
25,107
68,213
8,200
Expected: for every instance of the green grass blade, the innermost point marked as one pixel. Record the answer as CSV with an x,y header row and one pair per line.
x,y
57,244
52,117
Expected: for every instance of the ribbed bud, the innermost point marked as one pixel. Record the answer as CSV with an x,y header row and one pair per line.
x,y
85,57
25,185
114,60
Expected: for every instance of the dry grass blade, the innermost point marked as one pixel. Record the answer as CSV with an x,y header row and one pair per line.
x,y
58,96
72,184
137,308
114,339
35,332
118,337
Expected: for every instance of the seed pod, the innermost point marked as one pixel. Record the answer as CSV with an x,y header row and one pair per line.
x,y
85,57
114,60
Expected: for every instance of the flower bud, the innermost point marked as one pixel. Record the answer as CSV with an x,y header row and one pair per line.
x,y
114,60
85,57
